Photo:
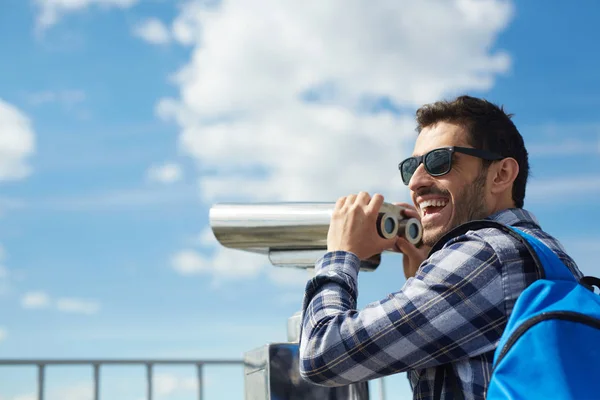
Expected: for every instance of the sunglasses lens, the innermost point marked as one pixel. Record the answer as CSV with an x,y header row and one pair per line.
x,y
407,169
438,162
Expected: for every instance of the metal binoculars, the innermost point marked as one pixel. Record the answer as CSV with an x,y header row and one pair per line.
x,y
295,234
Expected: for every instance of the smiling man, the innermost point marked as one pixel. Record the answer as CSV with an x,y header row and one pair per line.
x,y
442,327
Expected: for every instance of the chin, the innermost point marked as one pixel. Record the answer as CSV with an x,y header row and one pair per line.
x,y
433,234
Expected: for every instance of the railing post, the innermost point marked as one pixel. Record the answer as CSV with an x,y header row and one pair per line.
x,y
41,372
381,389
96,381
149,380
200,381
98,364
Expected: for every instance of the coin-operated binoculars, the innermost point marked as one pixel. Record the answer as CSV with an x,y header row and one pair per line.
x,y
294,235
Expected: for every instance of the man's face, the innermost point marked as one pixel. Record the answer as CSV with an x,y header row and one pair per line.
x,y
444,202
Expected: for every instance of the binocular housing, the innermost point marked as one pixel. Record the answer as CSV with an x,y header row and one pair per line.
x,y
295,234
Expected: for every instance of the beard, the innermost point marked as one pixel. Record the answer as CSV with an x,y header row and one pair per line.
x,y
469,206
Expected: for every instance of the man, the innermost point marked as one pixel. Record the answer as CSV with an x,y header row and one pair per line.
x,y
469,163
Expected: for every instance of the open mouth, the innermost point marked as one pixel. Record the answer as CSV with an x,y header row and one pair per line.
x,y
432,207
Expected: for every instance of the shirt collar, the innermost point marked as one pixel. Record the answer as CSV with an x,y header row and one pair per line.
x,y
515,217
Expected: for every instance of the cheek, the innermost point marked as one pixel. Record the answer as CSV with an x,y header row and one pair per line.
x,y
447,187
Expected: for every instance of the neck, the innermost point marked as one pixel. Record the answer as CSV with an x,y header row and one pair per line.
x,y
502,204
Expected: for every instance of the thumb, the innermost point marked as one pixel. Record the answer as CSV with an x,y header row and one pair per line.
x,y
407,248
388,243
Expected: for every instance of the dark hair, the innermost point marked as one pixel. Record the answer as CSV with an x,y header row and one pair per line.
x,y
489,128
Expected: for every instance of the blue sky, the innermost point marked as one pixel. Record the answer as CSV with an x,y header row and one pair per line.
x,y
122,121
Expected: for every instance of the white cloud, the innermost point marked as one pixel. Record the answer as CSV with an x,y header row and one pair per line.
x,y
166,173
224,263
153,31
221,262
189,262
206,238
241,70
34,300
50,11
77,306
17,143
3,334
242,113
38,300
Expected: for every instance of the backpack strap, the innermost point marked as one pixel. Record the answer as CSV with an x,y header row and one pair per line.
x,y
554,268
487,223
590,282
547,262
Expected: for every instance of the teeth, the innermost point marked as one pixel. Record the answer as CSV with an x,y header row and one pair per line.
x,y
433,203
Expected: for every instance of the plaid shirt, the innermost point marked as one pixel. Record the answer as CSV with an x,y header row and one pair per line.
x,y
453,311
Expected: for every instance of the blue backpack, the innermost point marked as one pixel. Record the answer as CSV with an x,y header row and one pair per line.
x,y
550,348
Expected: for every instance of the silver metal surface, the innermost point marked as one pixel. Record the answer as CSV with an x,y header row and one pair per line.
x,y
293,327
294,234
256,370
272,373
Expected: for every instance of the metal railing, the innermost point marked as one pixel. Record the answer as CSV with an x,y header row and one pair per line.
x,y
148,363
97,364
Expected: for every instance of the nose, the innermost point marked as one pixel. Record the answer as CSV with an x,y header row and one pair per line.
x,y
420,179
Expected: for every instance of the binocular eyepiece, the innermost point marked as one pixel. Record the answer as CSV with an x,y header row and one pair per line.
x,y
391,223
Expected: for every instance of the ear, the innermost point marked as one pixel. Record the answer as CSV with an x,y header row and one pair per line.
x,y
504,173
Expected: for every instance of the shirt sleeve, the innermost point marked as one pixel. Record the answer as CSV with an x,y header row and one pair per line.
x,y
452,309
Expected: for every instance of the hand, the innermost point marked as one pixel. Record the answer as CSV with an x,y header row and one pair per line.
x,y
412,256
353,226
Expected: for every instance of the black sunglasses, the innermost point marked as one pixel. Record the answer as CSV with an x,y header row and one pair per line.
x,y
438,162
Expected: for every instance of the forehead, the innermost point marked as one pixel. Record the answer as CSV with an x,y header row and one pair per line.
x,y
441,134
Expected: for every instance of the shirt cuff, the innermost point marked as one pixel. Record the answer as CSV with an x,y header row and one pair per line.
x,y
338,261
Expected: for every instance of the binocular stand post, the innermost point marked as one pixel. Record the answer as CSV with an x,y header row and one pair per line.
x,y
272,372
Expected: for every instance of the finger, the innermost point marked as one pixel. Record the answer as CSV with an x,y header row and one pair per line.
x,y
408,210
382,244
405,205
407,248
350,200
363,198
408,213
376,202
388,244
340,203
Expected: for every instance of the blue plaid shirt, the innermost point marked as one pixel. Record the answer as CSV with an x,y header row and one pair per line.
x,y
453,311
